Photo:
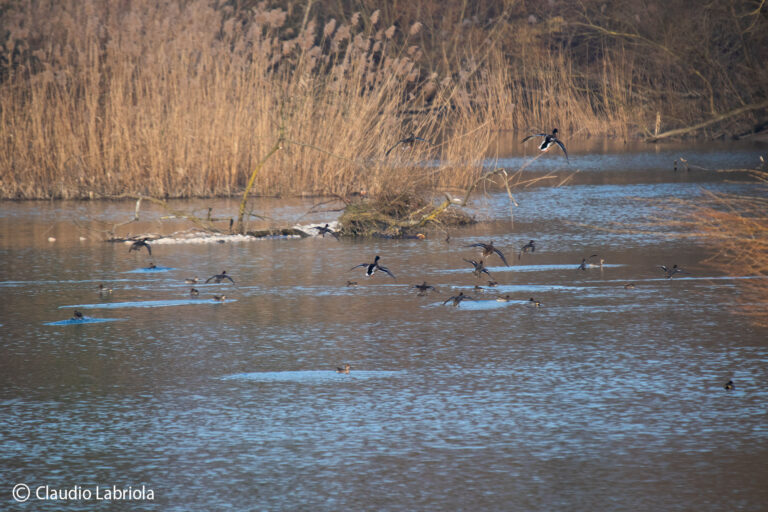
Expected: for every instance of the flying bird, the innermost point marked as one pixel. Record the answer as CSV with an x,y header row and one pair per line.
x,y
530,246
219,278
549,139
456,299
138,244
479,268
373,267
671,271
408,140
488,249
322,230
423,287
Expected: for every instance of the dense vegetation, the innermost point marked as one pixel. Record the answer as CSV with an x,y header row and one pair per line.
x,y
180,98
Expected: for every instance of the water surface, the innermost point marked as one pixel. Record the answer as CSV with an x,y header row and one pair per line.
x,y
603,398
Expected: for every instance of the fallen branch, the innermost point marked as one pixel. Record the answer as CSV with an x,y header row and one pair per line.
x,y
716,119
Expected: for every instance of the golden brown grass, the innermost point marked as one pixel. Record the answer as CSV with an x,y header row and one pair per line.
x,y
737,225
181,99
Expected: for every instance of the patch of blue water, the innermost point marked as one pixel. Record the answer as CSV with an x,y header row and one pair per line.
x,y
148,270
84,320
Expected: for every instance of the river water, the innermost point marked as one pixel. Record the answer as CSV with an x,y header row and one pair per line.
x,y
602,398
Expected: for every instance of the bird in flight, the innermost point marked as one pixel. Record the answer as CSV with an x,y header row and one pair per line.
x,y
530,246
219,278
456,299
322,230
373,267
138,244
488,249
479,268
423,287
549,139
408,140
674,269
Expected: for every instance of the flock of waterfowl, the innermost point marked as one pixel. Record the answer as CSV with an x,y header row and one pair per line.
x,y
486,250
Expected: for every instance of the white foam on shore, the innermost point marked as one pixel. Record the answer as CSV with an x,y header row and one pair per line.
x,y
310,228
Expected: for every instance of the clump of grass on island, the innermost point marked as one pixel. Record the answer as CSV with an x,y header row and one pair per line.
x,y
399,215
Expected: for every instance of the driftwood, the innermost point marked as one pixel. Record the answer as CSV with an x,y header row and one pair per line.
x,y
704,124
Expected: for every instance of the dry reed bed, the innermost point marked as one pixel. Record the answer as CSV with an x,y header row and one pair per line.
x,y
184,98
736,227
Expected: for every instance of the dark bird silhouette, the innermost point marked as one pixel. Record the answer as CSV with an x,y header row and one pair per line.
x,y
138,244
220,298
423,287
77,315
488,249
408,140
729,385
534,303
585,262
219,278
194,292
456,299
629,286
325,229
344,369
373,267
530,246
479,268
671,271
549,139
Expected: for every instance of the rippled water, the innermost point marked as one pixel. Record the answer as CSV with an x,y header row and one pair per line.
x,y
603,398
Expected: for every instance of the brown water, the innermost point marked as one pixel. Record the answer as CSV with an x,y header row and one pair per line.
x,y
604,398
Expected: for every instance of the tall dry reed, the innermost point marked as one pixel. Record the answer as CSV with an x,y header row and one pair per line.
x,y
734,228
184,98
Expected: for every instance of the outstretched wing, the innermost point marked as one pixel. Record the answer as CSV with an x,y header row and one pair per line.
x,y
386,271
562,146
358,266
534,135
232,280
393,147
501,256
212,277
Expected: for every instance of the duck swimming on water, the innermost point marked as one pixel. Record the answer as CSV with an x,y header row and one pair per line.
x,y
344,369
549,140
